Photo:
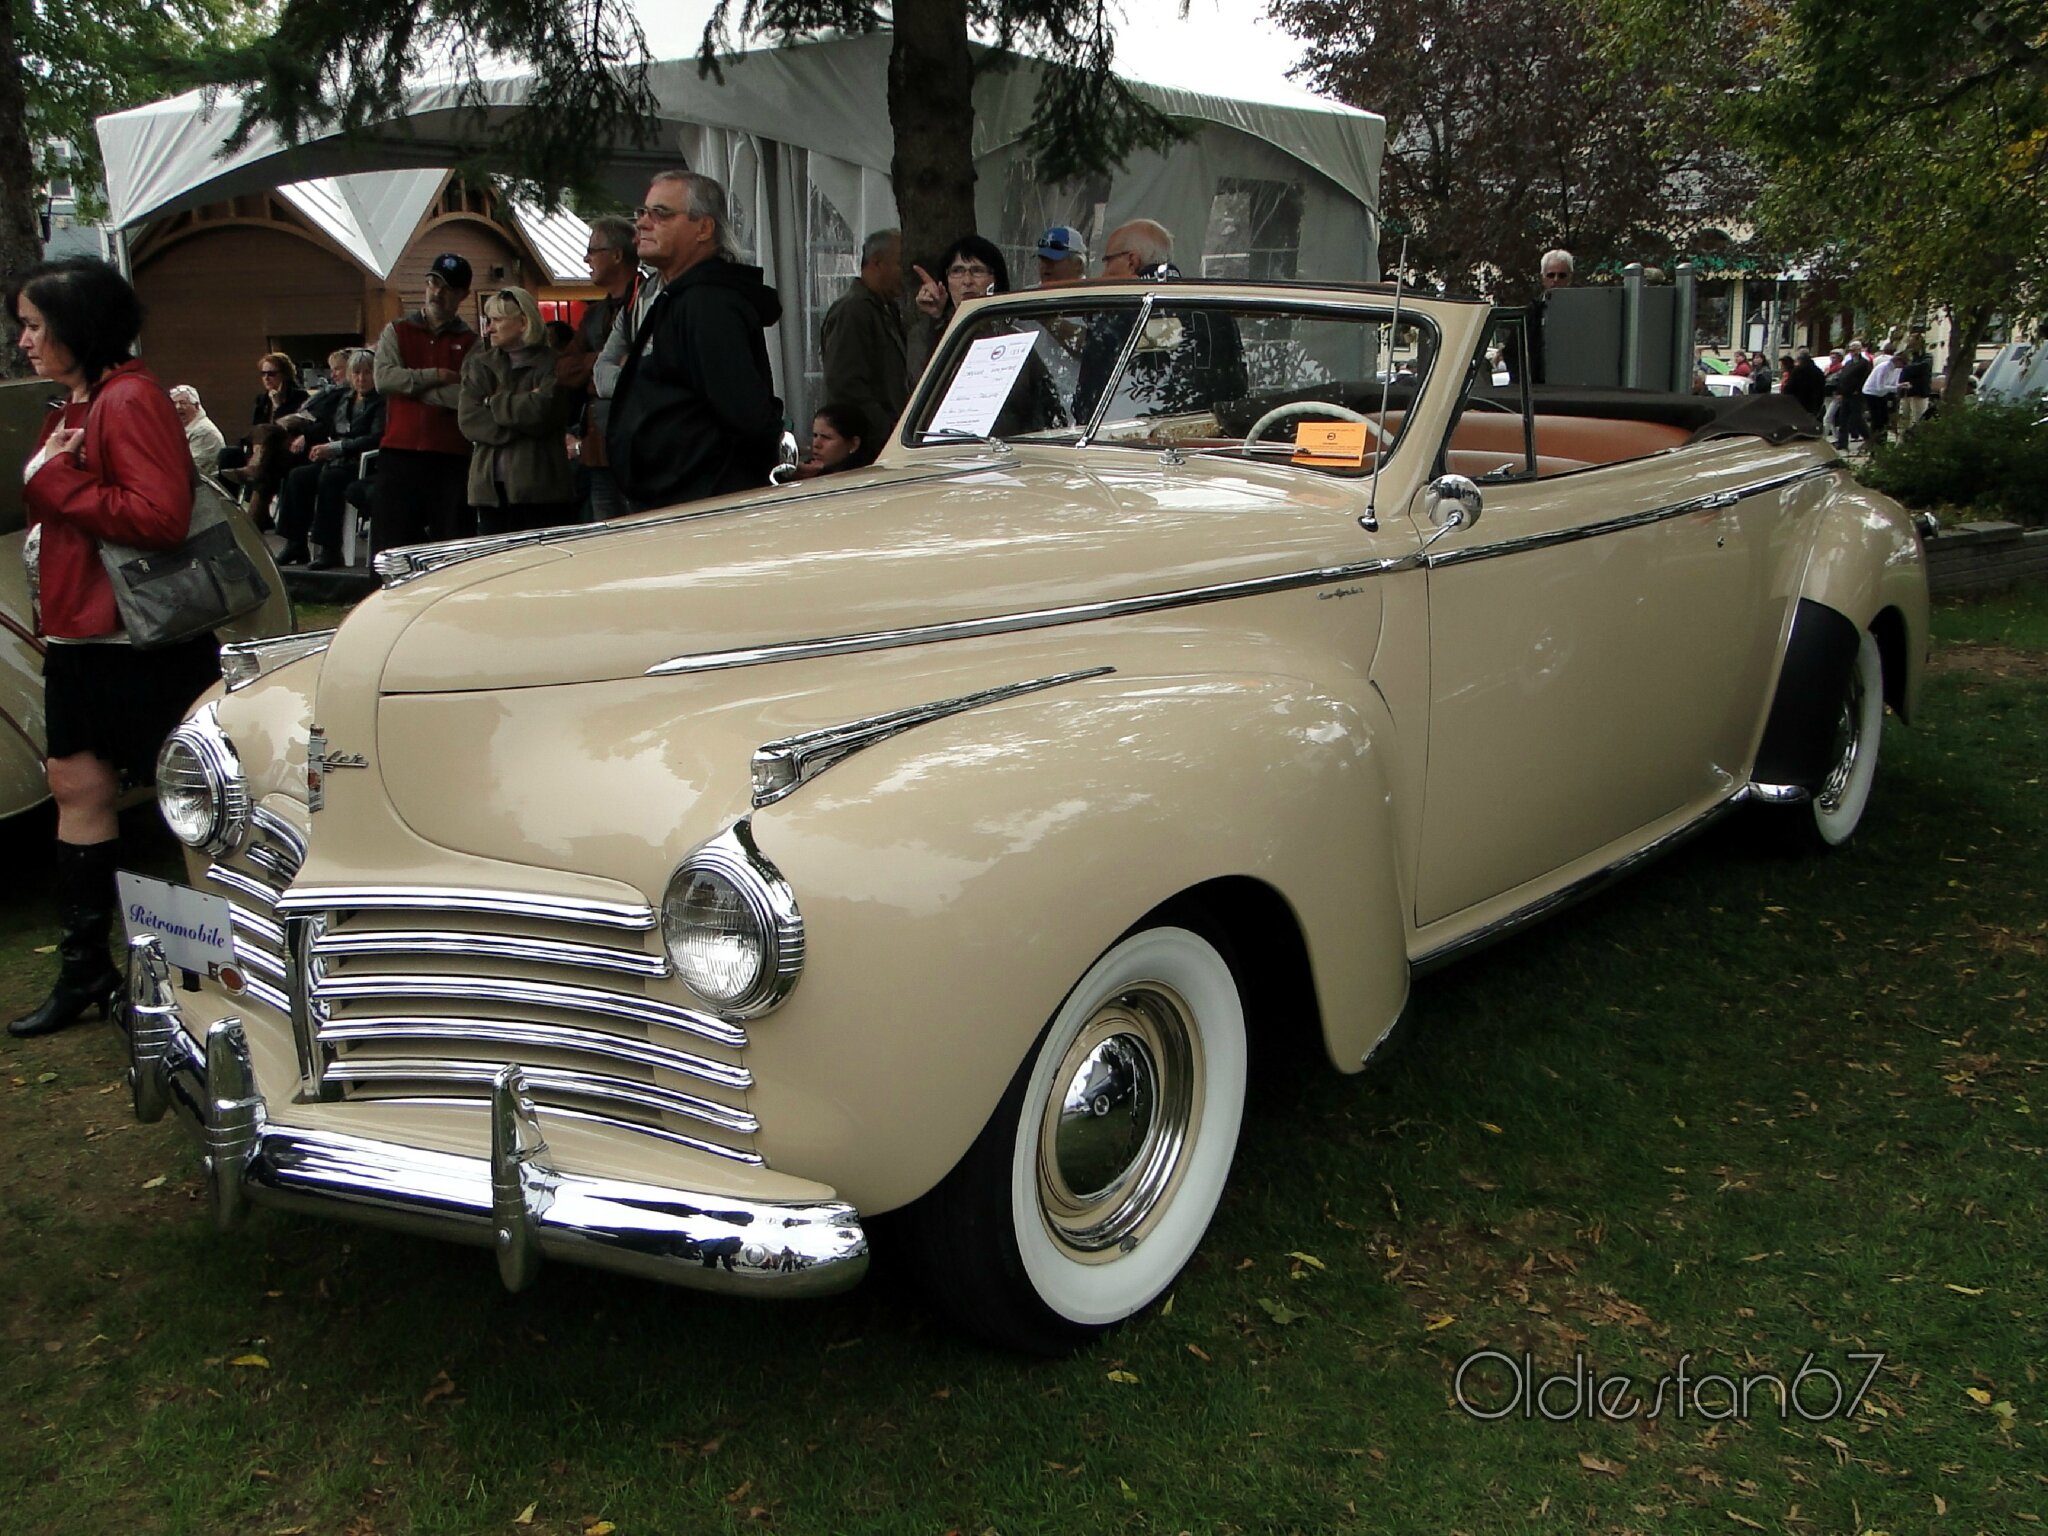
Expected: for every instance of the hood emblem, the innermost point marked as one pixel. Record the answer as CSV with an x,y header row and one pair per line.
x,y
320,762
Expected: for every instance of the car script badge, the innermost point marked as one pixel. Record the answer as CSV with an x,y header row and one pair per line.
x,y
320,762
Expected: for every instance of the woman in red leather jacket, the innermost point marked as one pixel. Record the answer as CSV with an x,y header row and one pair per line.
x,y
111,464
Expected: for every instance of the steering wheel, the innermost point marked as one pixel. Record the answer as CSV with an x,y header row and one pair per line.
x,y
1294,408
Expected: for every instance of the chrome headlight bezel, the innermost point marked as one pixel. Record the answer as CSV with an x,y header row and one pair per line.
x,y
733,859
220,769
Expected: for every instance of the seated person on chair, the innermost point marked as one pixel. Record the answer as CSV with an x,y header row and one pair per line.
x,y
315,494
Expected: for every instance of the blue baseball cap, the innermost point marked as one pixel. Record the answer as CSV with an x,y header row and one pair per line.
x,y
1060,242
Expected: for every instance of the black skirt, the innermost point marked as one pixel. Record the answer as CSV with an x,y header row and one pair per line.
x,y
119,703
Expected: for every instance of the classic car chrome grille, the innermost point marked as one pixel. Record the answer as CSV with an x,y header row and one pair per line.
x,y
408,1001
252,877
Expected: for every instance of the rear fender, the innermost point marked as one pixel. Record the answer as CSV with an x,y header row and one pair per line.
x,y
956,880
1867,565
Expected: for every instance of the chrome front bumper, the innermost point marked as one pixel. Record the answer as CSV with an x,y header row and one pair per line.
x,y
513,1201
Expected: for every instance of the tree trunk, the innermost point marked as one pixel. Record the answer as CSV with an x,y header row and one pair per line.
x,y
931,111
1965,335
21,230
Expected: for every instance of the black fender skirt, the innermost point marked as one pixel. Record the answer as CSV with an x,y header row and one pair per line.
x,y
1799,736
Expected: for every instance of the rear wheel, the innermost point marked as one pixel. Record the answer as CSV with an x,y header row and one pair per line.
x,y
1064,1218
1839,799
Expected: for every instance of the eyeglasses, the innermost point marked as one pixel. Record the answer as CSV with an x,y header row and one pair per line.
x,y
269,373
1109,256
656,213
970,269
601,250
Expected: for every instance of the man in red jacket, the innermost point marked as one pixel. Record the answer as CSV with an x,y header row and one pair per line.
x,y
422,467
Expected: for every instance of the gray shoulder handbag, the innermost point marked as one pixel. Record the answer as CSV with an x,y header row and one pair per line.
x,y
169,595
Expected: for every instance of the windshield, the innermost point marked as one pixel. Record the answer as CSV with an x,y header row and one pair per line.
x,y
1317,386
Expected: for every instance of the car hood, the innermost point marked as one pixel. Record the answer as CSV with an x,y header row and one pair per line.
x,y
883,551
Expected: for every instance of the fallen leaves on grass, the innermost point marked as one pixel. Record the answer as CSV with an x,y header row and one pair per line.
x,y
1124,1378
442,1387
1280,1312
1440,1322
251,1362
525,1516
1601,1464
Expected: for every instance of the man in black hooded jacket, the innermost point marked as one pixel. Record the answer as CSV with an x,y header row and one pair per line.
x,y
694,413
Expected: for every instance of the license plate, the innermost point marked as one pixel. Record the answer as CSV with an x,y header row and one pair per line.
x,y
196,930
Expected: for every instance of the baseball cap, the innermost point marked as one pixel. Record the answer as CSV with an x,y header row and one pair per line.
x,y
451,269
1060,242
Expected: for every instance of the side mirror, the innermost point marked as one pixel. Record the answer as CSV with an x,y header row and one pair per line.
x,y
1452,501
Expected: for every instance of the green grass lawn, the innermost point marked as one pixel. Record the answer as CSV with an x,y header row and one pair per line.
x,y
1741,1111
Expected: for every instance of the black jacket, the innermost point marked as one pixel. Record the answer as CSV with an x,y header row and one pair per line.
x,y
358,427
695,413
1809,386
1850,376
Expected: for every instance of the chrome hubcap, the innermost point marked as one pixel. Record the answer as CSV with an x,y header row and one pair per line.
x,y
1848,744
1122,1111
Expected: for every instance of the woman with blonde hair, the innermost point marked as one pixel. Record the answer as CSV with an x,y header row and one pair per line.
x,y
515,416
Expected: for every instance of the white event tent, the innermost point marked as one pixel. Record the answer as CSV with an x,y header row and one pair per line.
x,y
1276,183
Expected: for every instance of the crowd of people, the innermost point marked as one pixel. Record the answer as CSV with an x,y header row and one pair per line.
x,y
1858,394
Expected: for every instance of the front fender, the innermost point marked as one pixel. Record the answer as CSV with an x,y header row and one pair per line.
x,y
957,880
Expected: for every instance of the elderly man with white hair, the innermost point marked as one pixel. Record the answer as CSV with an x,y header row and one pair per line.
x,y
202,437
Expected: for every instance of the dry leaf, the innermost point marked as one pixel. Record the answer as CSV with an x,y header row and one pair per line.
x,y
1966,1290
1167,1309
1309,1259
1125,1377
1978,1395
253,1362
525,1516
1492,1129
601,1528
1198,1352
46,949
442,1387
1435,1324
1601,1464
155,1183
1742,1519
1280,1312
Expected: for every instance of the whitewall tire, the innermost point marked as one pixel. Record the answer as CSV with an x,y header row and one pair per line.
x,y
1840,798
1063,1220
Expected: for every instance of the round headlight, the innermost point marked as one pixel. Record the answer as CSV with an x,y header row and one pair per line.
x,y
732,928
199,786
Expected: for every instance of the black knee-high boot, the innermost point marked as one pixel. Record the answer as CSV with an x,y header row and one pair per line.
x,y
86,978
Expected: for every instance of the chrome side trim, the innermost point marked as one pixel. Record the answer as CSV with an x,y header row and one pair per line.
x,y
632,916
244,661
369,1029
785,766
1577,891
1713,503
589,1085
533,994
695,1238
495,946
395,567
1035,618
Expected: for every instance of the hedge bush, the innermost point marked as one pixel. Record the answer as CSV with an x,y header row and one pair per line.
x,y
1986,457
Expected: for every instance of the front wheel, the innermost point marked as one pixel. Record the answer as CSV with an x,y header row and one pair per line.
x,y
1840,798
1061,1221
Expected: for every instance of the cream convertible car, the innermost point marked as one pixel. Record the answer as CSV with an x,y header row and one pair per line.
x,y
680,895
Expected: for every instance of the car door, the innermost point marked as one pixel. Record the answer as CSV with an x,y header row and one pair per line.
x,y
1601,643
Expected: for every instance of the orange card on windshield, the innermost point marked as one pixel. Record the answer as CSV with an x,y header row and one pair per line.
x,y
1330,443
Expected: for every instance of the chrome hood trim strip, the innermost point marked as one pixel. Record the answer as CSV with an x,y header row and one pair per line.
x,y
1032,618
395,567
785,766
1713,503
